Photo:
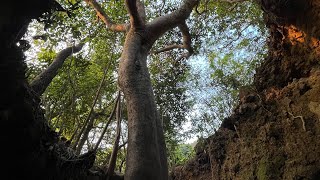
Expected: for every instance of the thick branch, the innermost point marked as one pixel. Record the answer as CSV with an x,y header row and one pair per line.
x,y
164,23
142,11
42,81
186,37
135,20
105,18
186,42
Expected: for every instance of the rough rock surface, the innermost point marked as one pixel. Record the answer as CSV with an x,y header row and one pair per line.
x,y
274,131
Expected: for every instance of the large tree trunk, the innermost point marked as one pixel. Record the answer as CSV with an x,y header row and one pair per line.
x,y
146,157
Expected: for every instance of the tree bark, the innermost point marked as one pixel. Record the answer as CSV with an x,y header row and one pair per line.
x,y
146,157
43,80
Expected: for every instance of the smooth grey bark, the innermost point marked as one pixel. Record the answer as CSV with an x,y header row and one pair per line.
x,y
146,155
42,81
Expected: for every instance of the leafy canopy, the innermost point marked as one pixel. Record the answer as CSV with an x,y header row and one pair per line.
x,y
228,40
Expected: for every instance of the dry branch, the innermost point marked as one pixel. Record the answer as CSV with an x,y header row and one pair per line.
x,y
89,117
107,125
186,43
113,159
105,18
164,23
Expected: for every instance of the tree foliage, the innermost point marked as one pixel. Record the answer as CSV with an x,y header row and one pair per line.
x,y
232,43
227,38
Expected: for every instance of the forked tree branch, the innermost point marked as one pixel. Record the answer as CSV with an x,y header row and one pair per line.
x,y
142,11
186,37
162,24
186,42
105,18
123,144
135,19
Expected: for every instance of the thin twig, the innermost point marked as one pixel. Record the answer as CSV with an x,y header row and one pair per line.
x,y
113,158
86,122
108,122
302,120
